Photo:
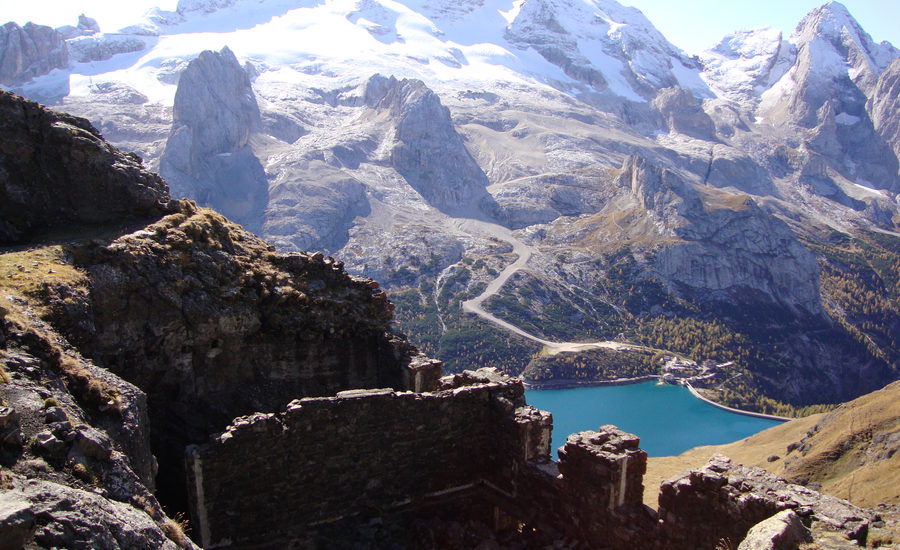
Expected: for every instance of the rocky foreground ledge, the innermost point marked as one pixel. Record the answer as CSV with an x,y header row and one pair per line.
x,y
154,352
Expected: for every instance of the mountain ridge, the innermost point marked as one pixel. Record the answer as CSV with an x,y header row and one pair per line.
x,y
798,154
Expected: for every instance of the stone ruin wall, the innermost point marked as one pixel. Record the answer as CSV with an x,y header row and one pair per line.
x,y
363,454
368,453
592,494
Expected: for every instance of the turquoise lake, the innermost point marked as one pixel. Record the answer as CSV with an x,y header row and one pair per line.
x,y
668,419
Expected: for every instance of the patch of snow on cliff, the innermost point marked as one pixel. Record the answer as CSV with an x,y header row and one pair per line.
x,y
739,66
846,119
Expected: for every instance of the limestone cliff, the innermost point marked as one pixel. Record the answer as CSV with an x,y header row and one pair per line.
x,y
30,51
398,138
208,156
883,105
428,151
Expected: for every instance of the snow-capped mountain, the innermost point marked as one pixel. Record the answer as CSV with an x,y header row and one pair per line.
x,y
557,162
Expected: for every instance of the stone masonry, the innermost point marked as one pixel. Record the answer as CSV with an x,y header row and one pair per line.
x,y
377,456
361,453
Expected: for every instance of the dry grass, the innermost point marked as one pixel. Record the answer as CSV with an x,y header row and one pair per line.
x,y
95,391
85,474
26,273
5,479
881,540
631,226
836,459
715,199
174,529
83,384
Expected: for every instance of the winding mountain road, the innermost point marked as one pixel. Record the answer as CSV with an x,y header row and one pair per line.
x,y
524,253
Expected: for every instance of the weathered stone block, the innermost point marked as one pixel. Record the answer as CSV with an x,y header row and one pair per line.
x,y
783,531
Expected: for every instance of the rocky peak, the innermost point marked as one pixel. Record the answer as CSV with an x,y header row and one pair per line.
x,y
831,35
208,155
823,96
427,151
586,39
684,114
215,99
87,26
664,195
827,50
30,51
746,62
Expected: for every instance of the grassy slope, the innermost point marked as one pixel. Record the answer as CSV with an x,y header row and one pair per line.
x,y
836,455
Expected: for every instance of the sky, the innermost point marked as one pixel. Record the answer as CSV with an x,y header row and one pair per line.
x,y
692,25
695,25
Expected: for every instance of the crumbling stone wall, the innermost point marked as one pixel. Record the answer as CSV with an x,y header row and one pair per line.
x,y
366,453
280,479
593,494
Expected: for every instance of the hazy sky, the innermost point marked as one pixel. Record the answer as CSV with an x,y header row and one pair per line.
x,y
692,25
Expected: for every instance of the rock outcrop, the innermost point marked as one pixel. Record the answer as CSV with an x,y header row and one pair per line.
x,y
30,51
884,104
683,113
44,514
727,248
427,150
694,505
398,129
781,531
87,26
72,433
57,170
212,324
208,155
84,49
